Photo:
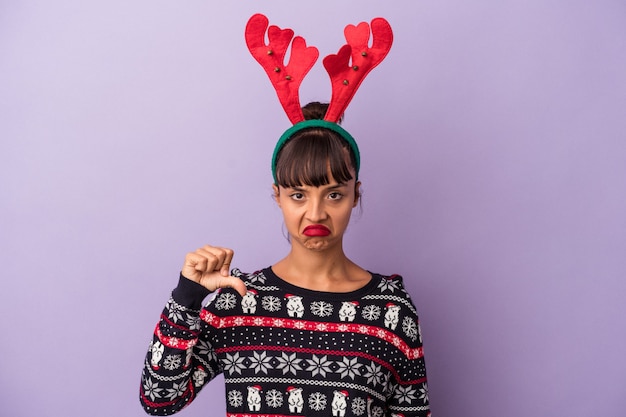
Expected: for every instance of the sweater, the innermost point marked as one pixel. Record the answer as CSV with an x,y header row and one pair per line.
x,y
289,351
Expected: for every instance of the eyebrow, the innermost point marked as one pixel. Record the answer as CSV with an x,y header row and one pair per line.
x,y
334,186
327,186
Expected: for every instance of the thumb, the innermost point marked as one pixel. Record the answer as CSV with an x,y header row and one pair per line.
x,y
234,283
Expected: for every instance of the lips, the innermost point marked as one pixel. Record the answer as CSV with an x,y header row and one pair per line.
x,y
316,230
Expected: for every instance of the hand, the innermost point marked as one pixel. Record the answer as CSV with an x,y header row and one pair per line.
x,y
208,266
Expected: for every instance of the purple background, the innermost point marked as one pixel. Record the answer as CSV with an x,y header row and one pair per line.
x,y
494,171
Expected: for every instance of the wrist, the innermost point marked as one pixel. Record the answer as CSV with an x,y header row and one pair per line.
x,y
189,293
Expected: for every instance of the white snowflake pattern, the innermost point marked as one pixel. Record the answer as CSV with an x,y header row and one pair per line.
x,y
373,374
174,312
405,394
377,411
274,398
176,391
386,381
270,303
319,365
288,363
423,393
257,277
317,401
233,364
388,284
371,312
260,362
410,328
225,301
396,341
358,406
349,368
206,349
172,362
151,389
193,322
321,308
235,398
321,327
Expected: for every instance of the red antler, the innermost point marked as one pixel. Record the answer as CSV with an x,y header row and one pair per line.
x,y
286,79
345,76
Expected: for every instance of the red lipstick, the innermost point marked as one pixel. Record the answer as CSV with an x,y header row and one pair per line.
x,y
315,230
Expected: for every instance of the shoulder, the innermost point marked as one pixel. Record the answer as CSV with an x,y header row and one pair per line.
x,y
391,291
257,277
393,284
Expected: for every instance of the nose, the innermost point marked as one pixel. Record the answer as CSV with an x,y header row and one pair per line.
x,y
316,210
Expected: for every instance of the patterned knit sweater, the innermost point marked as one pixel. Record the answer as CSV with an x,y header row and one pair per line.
x,y
288,351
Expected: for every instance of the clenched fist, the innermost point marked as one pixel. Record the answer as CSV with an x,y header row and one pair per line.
x,y
209,266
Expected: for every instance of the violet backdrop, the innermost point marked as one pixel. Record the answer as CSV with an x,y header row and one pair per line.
x,y
494,171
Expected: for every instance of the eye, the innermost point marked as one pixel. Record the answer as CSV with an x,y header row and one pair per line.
x,y
335,196
296,196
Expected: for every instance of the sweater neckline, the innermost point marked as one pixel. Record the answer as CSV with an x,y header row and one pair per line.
x,y
331,296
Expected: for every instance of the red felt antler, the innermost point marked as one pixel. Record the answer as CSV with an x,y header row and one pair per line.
x,y
286,79
346,76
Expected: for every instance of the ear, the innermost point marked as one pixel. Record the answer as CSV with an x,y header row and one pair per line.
x,y
357,193
276,191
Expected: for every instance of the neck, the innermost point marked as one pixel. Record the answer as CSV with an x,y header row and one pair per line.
x,y
328,270
319,263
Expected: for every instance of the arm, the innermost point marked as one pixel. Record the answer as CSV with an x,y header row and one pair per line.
x,y
409,396
177,365
180,359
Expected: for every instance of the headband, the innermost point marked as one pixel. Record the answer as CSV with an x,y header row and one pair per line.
x,y
347,69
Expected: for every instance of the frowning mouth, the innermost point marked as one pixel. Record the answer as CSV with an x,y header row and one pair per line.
x,y
316,230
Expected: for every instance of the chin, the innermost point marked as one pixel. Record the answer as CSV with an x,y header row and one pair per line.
x,y
315,244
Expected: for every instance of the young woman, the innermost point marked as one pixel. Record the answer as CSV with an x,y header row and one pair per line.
x,y
312,335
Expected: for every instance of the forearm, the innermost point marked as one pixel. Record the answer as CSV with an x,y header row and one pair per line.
x,y
174,369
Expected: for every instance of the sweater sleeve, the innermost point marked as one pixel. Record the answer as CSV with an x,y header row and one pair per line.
x,y
409,397
408,394
180,359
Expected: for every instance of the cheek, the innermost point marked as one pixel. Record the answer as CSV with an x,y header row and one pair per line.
x,y
343,215
290,214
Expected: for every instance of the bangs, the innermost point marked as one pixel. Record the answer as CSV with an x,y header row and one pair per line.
x,y
312,157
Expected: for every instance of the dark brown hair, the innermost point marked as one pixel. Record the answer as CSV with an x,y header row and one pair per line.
x,y
310,155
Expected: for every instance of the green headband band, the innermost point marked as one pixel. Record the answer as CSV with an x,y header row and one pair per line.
x,y
317,123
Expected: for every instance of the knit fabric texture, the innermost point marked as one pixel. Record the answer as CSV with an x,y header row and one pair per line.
x,y
289,351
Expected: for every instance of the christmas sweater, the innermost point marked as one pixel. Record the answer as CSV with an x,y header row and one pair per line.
x,y
289,351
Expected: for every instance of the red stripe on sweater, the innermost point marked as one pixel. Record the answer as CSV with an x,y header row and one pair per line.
x,y
314,326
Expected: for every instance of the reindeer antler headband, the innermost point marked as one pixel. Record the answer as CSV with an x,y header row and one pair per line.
x,y
347,69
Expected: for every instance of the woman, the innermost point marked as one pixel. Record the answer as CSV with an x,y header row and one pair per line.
x,y
314,334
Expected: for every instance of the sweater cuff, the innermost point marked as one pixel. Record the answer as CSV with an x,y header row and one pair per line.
x,y
189,293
